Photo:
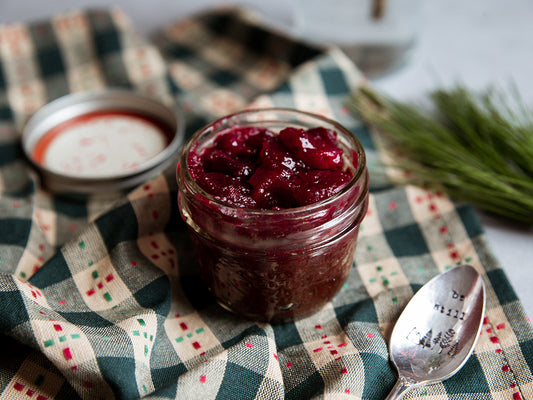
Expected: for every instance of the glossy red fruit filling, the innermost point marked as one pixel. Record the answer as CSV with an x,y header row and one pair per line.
x,y
257,168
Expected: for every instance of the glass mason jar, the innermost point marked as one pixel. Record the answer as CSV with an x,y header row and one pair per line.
x,y
274,265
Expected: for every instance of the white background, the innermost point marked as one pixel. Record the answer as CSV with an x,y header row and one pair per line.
x,y
479,43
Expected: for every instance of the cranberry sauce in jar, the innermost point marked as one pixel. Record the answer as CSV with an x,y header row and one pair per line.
x,y
273,199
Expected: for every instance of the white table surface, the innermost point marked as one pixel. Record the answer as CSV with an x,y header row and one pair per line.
x,y
479,43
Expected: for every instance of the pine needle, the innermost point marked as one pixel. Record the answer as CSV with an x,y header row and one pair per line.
x,y
476,147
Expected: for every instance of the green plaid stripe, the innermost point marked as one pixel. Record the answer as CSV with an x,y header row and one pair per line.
x,y
101,299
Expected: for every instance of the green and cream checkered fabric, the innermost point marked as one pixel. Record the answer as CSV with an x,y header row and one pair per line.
x,y
100,299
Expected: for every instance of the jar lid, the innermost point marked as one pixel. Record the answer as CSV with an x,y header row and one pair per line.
x,y
104,141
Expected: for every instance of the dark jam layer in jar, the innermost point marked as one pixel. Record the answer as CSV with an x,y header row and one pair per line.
x,y
256,168
274,210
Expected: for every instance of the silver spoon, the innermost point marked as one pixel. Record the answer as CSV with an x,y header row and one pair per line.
x,y
438,329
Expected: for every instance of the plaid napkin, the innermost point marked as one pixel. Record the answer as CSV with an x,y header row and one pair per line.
x,y
101,299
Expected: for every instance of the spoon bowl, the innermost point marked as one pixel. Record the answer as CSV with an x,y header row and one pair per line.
x,y
438,329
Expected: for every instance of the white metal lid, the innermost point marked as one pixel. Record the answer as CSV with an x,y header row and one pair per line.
x,y
102,141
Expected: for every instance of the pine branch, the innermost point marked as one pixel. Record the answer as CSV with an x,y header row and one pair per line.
x,y
477,148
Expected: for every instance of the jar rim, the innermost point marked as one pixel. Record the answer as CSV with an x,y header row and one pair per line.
x,y
360,168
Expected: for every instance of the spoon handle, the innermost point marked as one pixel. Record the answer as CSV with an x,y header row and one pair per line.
x,y
401,387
